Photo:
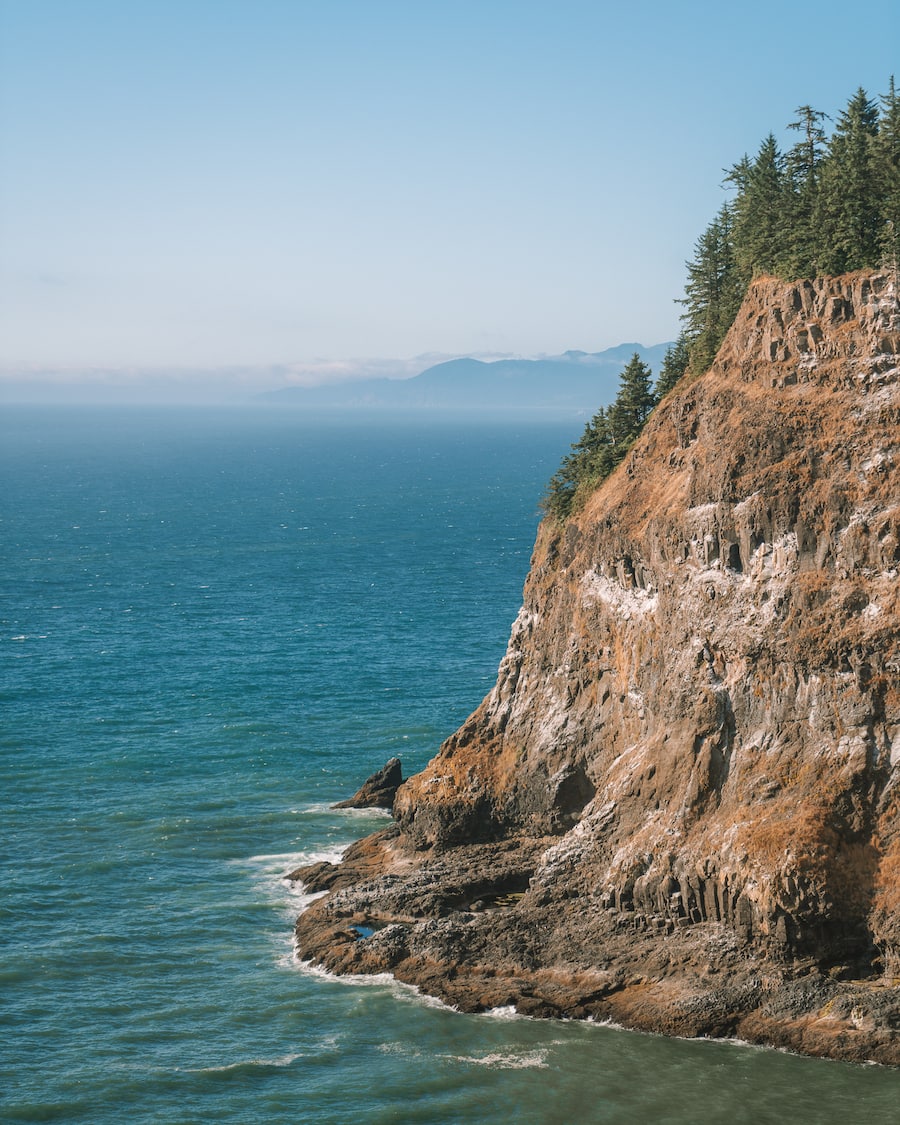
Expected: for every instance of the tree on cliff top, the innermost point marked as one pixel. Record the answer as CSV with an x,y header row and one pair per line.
x,y
758,232
714,290
802,173
828,206
886,154
606,439
849,206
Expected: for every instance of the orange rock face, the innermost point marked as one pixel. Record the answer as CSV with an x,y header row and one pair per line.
x,y
695,732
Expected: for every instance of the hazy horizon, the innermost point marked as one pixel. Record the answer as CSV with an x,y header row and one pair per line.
x,y
223,385
244,188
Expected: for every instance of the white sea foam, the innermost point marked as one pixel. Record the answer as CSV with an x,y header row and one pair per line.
x,y
271,871
293,859
407,1050
281,1060
504,1060
318,807
592,1021
398,988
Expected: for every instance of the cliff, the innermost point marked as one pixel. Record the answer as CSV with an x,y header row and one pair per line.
x,y
678,807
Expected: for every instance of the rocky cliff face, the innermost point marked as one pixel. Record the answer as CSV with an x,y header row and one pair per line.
x,y
678,806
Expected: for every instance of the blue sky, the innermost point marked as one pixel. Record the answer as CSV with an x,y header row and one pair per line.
x,y
237,183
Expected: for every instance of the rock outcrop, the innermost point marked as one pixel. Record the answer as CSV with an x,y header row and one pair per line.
x,y
377,791
678,807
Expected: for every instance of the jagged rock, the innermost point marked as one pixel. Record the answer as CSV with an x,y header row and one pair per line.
x,y
377,791
678,807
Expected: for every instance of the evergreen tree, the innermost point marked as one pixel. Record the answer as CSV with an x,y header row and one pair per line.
x,y
591,460
826,207
674,365
802,170
757,211
886,157
807,153
714,290
605,441
633,404
848,213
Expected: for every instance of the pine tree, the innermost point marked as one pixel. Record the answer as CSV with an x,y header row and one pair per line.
x,y
605,441
591,459
848,219
675,364
714,290
633,404
758,210
886,158
802,170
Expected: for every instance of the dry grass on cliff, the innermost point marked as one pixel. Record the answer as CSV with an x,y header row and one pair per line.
x,y
803,831
795,835
803,842
887,880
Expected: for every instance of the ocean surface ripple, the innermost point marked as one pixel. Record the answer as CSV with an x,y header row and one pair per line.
x,y
212,626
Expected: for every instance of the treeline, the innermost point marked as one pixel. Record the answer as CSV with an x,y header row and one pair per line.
x,y
828,205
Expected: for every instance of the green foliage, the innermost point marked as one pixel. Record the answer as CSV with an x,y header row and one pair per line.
x,y
675,364
800,244
633,404
714,290
605,441
757,229
828,205
886,161
848,204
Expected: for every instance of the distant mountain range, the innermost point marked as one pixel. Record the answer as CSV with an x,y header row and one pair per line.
x,y
573,382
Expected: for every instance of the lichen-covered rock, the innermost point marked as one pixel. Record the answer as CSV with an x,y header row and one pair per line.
x,y
691,750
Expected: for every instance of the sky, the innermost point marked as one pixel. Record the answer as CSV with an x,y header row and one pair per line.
x,y
302,189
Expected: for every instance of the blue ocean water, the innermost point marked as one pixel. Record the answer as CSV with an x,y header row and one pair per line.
x,y
213,625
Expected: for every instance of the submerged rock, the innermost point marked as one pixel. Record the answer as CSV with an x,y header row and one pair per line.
x,y
678,806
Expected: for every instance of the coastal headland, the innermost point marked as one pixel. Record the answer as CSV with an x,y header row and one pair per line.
x,y
678,807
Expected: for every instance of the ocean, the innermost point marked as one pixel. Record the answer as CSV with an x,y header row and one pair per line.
x,y
213,625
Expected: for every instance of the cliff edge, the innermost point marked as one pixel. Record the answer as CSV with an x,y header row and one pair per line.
x,y
678,807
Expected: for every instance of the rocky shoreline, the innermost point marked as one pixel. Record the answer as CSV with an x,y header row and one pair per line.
x,y
476,942
677,809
